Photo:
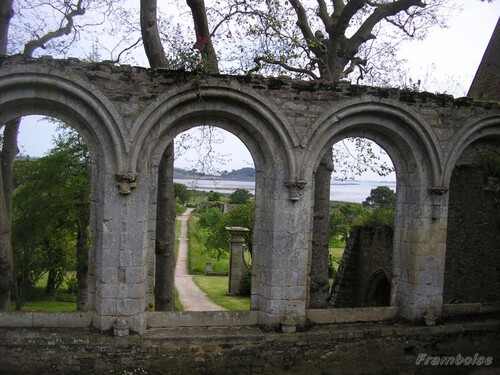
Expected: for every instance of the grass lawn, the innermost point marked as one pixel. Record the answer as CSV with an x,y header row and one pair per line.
x,y
215,288
336,253
198,257
47,306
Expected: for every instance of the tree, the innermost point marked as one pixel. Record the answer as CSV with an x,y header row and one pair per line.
x,y
213,196
240,196
6,257
181,192
58,23
51,218
381,196
214,222
165,224
343,216
71,147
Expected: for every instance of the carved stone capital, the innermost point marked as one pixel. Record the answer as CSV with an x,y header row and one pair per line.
x,y
126,182
438,190
295,186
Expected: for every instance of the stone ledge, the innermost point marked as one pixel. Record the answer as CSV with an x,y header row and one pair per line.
x,y
351,315
458,309
46,319
201,318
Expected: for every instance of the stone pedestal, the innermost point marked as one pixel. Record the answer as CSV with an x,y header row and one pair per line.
x,y
237,265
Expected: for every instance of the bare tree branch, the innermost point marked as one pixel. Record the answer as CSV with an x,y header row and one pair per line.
x,y
259,60
32,45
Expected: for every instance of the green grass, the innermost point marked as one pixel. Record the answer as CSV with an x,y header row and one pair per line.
x,y
196,259
177,301
336,254
47,306
215,288
61,302
198,256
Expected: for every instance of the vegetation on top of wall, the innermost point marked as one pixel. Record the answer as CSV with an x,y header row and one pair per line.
x,y
489,161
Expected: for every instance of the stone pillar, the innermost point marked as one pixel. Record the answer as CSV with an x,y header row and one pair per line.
x,y
237,265
120,260
419,255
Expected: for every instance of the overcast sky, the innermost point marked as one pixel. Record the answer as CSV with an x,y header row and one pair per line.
x,y
446,61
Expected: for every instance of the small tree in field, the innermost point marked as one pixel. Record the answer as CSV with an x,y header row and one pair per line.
x,y
214,222
381,196
240,196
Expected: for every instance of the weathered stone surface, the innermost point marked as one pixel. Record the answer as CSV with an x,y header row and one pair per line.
x,y
128,116
330,349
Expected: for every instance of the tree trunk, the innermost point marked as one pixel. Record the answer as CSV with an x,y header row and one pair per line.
x,y
6,257
9,152
6,14
50,289
150,35
82,265
319,283
165,212
7,157
203,37
165,232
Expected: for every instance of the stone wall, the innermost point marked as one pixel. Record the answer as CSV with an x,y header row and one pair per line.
x,y
128,115
472,271
331,349
368,253
486,83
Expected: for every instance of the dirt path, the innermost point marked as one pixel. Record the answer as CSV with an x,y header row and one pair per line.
x,y
191,297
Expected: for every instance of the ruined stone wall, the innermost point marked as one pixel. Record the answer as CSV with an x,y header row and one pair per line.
x,y
472,271
332,349
128,116
368,250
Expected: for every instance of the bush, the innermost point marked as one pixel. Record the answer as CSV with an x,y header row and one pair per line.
x,y
378,216
72,284
240,196
488,161
213,196
247,283
331,266
181,193
381,196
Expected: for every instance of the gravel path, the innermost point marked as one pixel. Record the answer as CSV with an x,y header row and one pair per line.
x,y
191,297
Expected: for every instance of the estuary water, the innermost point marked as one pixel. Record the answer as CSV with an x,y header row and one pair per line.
x,y
342,191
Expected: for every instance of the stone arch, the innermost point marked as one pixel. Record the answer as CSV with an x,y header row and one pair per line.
x,y
403,134
486,129
41,91
263,130
378,290
258,118
31,92
472,217
417,157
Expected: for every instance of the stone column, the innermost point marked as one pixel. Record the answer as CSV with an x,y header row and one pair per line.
x,y
237,265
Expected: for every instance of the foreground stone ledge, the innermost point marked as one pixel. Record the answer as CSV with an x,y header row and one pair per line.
x,y
344,315
46,319
460,309
201,319
353,348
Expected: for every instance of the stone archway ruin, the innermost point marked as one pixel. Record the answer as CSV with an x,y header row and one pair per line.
x,y
128,115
